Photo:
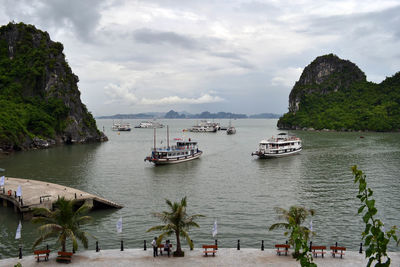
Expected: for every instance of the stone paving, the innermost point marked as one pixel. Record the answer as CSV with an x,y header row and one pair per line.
x,y
224,257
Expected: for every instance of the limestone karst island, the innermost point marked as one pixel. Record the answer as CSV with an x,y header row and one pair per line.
x,y
39,96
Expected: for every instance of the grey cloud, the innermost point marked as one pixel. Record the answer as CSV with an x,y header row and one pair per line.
x,y
149,36
357,25
79,16
206,45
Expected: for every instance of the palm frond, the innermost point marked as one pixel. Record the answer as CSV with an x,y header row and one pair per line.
x,y
49,228
156,228
278,225
42,212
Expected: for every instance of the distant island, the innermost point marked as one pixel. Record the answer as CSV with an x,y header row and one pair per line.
x,y
39,96
333,94
185,115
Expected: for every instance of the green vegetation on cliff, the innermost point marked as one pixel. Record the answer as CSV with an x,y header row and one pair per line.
x,y
360,105
36,86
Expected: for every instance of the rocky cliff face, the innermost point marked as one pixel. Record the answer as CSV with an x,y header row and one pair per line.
x,y
333,94
325,74
35,76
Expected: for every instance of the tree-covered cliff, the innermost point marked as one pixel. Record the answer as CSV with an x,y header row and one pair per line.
x,y
333,94
39,98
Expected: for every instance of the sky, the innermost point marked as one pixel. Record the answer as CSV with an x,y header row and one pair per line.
x,y
197,55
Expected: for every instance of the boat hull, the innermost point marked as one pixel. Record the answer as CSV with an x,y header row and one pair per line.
x,y
166,161
262,155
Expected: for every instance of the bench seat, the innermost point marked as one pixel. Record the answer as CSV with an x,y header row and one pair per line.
x,y
42,254
316,250
208,249
282,248
337,251
64,256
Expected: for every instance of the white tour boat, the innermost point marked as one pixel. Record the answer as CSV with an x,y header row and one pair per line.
x,y
205,127
180,152
121,127
275,147
150,124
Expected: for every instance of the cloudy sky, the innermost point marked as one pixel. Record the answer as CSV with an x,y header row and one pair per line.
x,y
196,55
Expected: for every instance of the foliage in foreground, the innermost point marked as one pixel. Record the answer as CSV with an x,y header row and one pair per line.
x,y
64,222
177,221
375,238
298,234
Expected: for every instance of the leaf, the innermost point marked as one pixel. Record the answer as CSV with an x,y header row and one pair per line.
x,y
369,252
370,192
367,228
370,204
368,240
366,217
361,209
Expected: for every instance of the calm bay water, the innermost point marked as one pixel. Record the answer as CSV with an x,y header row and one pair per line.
x,y
226,184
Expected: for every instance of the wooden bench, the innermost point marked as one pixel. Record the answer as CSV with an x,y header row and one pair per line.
x,y
210,249
161,246
318,250
42,254
337,251
64,256
282,248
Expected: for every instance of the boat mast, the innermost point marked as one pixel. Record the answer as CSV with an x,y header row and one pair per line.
x,y
168,136
154,139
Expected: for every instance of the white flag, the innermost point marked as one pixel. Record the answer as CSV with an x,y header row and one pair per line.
x,y
19,191
18,233
119,225
214,230
2,181
311,225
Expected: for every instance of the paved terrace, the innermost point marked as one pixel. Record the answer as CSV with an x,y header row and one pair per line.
x,y
33,192
224,257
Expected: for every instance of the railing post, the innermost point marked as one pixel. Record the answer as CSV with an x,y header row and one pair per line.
x,y
20,252
336,246
238,245
262,245
122,245
191,248
97,246
360,248
144,245
216,243
310,245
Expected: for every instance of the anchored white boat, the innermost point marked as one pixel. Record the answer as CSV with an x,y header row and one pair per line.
x,y
183,150
280,146
150,124
205,127
121,127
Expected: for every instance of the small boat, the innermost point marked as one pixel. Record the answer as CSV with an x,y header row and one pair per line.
x,y
121,127
183,150
230,129
275,147
150,124
205,127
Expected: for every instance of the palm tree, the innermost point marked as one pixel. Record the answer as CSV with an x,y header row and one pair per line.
x,y
176,221
294,217
64,222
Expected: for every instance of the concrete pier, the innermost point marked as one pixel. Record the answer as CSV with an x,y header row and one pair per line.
x,y
44,194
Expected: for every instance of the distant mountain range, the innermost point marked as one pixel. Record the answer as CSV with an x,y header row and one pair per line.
x,y
185,115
